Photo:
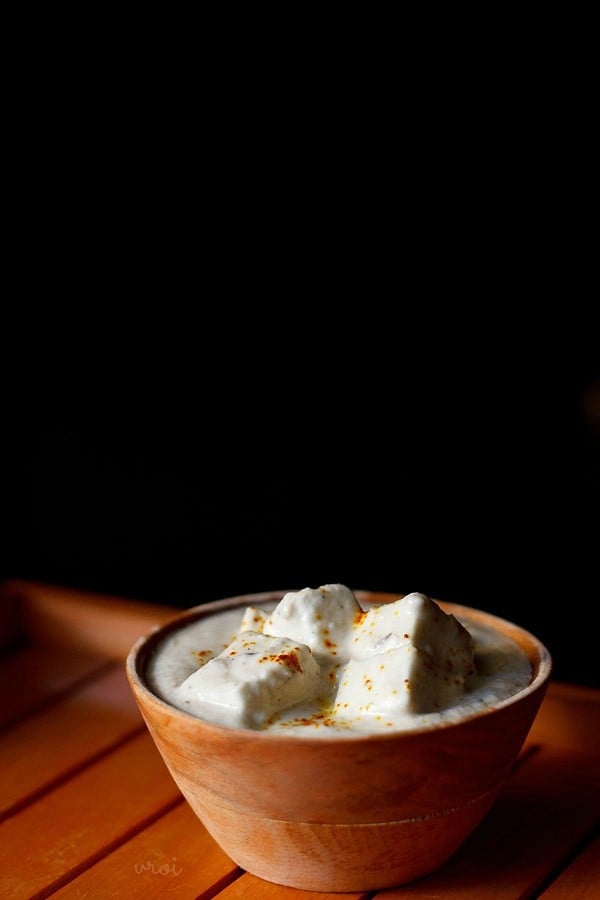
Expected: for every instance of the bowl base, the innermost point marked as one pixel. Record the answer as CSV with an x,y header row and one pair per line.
x,y
357,857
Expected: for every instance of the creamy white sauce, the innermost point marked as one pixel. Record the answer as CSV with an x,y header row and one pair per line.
x,y
501,669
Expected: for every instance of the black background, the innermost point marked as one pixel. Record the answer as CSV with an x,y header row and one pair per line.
x,y
193,470
237,358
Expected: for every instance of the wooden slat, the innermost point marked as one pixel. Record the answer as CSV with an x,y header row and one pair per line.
x,y
46,747
34,676
95,623
173,855
548,806
581,880
69,828
248,887
569,718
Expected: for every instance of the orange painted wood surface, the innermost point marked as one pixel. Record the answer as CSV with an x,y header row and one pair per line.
x,y
248,887
77,619
174,855
71,826
548,806
60,739
91,810
569,718
581,879
35,675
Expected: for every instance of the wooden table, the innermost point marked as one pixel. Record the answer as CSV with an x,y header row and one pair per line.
x,y
88,809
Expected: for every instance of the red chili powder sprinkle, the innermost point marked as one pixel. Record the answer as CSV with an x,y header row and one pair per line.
x,y
289,659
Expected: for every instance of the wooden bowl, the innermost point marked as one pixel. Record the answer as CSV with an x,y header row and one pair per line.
x,y
341,813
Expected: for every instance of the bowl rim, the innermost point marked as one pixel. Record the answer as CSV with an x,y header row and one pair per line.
x,y
138,654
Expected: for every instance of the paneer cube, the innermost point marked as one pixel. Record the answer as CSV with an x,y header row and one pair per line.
x,y
322,618
256,676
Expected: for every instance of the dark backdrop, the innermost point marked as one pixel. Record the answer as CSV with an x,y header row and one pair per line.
x,y
474,480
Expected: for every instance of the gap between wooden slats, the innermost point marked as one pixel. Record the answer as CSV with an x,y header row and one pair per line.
x,y
45,749
248,887
69,828
174,855
36,676
580,879
547,807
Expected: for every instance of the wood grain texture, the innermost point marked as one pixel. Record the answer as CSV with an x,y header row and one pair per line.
x,y
68,828
60,739
174,856
334,858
